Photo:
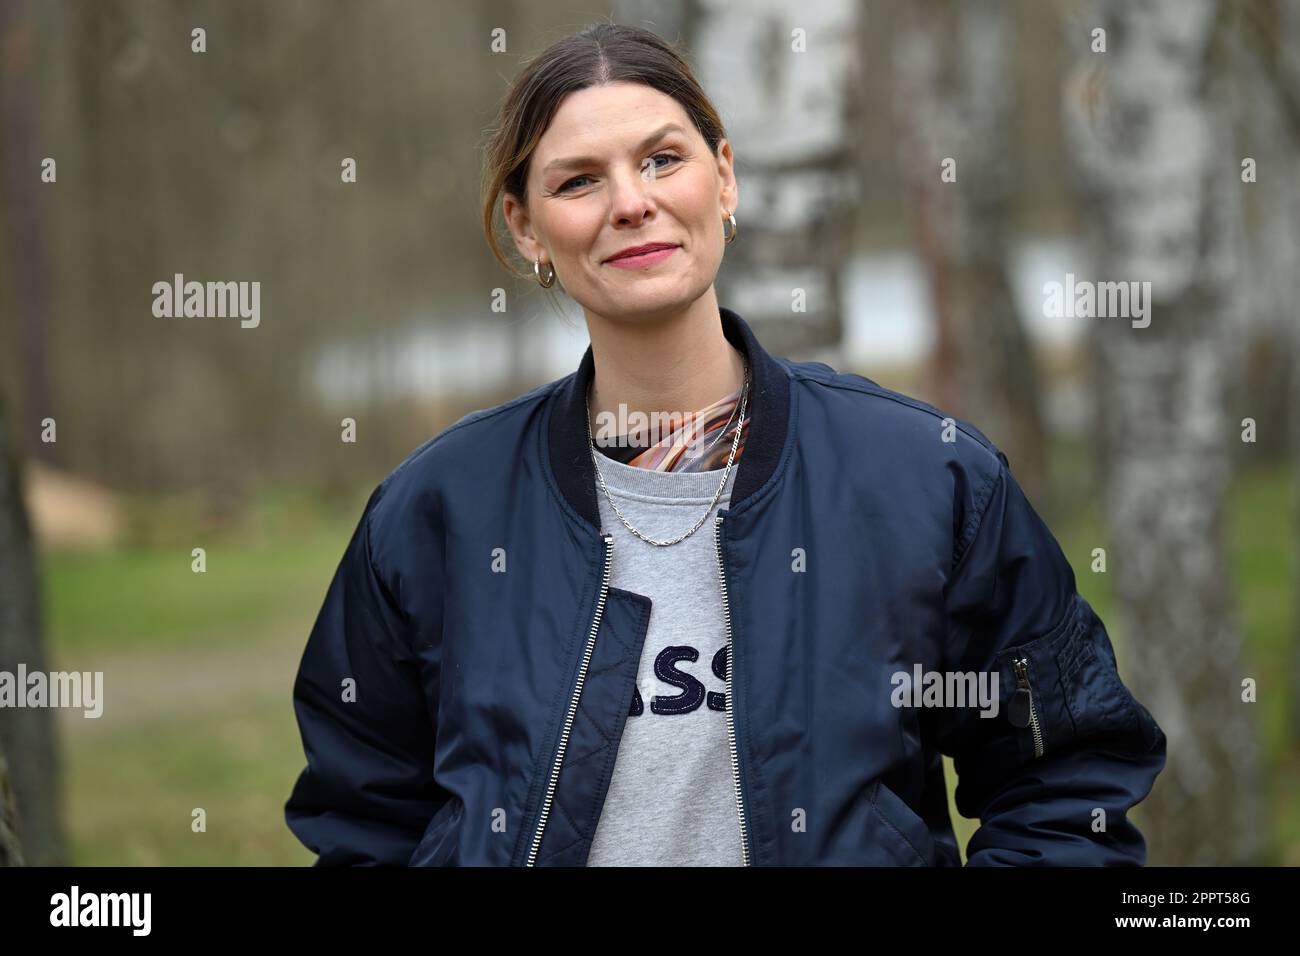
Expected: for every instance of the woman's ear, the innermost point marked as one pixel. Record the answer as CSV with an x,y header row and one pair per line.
x,y
729,197
521,229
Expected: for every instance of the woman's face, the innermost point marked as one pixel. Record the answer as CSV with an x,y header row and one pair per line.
x,y
606,175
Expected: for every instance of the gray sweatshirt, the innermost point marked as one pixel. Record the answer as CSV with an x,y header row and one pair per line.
x,y
671,800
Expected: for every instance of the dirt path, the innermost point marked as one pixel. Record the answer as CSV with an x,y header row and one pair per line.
x,y
143,687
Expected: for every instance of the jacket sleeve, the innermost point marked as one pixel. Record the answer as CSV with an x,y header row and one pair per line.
x,y
368,791
1053,775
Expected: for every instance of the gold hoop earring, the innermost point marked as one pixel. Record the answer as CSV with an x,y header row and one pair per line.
x,y
537,271
731,218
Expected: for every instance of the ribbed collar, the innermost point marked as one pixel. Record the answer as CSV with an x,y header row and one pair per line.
x,y
769,412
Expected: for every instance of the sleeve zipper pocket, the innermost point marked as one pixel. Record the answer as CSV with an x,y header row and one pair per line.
x,y
1022,712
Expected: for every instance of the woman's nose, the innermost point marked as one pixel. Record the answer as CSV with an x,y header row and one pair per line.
x,y
631,193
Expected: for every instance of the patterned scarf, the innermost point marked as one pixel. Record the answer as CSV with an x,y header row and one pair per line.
x,y
700,443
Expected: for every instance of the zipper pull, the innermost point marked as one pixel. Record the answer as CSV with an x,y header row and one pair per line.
x,y
1018,713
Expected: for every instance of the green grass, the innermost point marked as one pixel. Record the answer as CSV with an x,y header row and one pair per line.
x,y
134,776
140,598
131,797
1264,556
150,596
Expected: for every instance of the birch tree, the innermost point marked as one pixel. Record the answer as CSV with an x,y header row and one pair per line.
x,y
1151,138
782,77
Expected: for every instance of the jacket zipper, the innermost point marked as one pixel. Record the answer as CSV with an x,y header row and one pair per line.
x,y
731,667
573,703
1025,698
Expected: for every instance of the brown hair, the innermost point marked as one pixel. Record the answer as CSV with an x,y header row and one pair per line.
x,y
599,54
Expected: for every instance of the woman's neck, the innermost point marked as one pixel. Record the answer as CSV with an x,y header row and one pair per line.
x,y
678,364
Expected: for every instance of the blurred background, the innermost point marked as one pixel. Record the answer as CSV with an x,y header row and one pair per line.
x,y
913,177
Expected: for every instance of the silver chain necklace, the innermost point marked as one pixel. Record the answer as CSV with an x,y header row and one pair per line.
x,y
735,443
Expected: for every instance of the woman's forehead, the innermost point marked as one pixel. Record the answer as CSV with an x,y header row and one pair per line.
x,y
602,119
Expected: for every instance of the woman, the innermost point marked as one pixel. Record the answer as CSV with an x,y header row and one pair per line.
x,y
745,637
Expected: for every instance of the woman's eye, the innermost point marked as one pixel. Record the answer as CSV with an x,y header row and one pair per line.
x,y
672,157
668,156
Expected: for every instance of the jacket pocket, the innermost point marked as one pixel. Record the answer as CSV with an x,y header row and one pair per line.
x,y
1065,687
904,834
1098,702
438,844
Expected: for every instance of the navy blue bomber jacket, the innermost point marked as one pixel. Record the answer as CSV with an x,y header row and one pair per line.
x,y
465,685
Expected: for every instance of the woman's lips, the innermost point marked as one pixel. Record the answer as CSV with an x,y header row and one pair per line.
x,y
643,260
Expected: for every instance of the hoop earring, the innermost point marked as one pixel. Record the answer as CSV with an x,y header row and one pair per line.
x,y
731,218
537,271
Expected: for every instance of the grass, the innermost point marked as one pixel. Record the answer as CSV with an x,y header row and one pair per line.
x,y
131,801
148,595
198,670
230,744
140,599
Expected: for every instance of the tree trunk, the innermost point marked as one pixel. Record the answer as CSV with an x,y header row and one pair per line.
x,y
29,771
27,735
792,131
953,102
1154,149
11,850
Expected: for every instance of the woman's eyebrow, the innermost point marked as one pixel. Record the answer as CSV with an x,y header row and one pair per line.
x,y
572,161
